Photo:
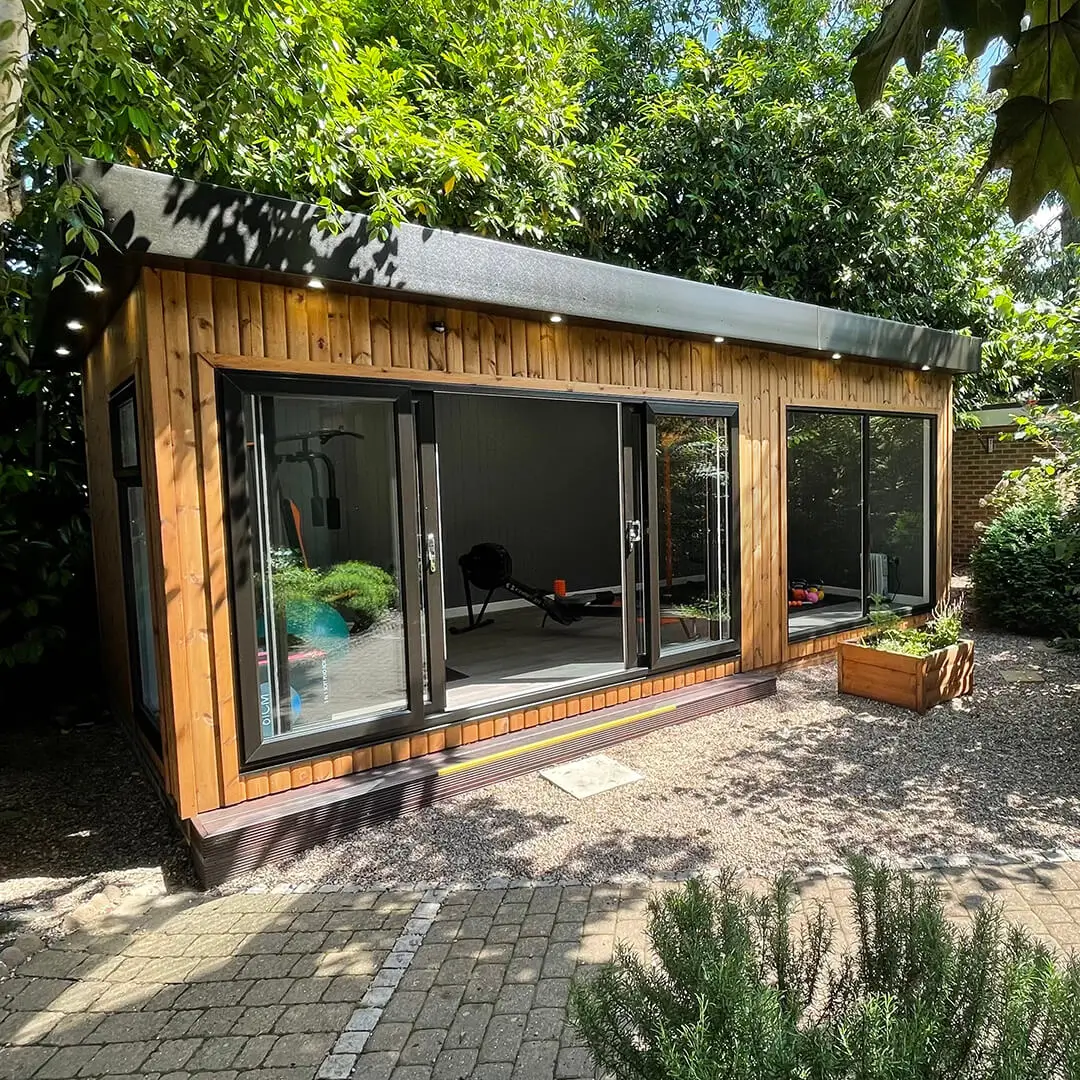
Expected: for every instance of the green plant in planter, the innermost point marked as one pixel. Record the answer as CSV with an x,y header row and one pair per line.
x,y
747,987
940,632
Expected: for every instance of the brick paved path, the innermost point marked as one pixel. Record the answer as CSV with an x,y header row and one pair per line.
x,y
378,986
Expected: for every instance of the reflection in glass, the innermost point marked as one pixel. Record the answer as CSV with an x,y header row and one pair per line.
x,y
900,509
692,527
326,557
129,445
140,582
825,520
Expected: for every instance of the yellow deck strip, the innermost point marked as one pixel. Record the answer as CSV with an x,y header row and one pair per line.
x,y
554,740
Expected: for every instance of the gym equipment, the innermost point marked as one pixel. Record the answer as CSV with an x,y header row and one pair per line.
x,y
325,509
490,567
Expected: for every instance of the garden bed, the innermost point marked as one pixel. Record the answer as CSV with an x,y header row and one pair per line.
x,y
912,682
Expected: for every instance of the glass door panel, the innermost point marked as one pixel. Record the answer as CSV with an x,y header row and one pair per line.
x,y
824,520
691,506
326,565
899,509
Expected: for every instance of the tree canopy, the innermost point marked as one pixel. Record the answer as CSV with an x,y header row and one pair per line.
x,y
1037,133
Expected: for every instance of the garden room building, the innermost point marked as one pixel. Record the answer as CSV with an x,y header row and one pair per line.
x,y
379,518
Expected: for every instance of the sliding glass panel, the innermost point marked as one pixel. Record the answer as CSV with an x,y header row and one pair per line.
x,y
692,548
899,509
825,521
326,561
139,587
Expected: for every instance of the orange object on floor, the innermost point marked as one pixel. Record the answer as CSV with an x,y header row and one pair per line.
x,y
560,586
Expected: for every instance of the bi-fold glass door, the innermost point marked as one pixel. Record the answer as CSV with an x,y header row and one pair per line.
x,y
364,516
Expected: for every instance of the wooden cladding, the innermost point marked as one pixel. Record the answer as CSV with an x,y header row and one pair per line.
x,y
194,323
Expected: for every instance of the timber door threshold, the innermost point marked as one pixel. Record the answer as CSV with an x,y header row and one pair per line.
x,y
273,828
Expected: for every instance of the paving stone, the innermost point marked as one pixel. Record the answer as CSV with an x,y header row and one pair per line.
x,y
454,1064
552,993
404,1005
347,988
268,992
171,1054
536,1060
337,1067
21,1062
117,1058
389,1037
206,995
302,991
70,1030
423,1047
414,979
515,998
440,1007
311,1018
307,1048
130,1027
379,1065
212,1022
411,1072
258,1020
502,1039
485,982
573,1063
493,1071
23,1028
469,1026
65,1063
254,1051
217,1053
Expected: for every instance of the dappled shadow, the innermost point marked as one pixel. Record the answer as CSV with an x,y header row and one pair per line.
x,y
77,813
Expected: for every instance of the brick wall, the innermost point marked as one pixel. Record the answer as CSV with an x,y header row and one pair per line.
x,y
975,473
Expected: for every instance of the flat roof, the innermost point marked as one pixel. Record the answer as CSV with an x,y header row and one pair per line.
x,y
160,219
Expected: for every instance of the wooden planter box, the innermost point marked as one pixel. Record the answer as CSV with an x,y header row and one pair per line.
x,y
912,682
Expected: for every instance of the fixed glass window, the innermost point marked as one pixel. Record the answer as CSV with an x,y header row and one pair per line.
x,y
135,556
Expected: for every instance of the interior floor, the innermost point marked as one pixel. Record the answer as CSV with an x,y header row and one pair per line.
x,y
835,615
517,655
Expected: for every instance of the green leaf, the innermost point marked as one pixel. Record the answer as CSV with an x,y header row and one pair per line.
x,y
907,30
1040,143
1045,62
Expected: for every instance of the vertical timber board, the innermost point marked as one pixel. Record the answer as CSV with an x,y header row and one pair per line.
x,y
180,497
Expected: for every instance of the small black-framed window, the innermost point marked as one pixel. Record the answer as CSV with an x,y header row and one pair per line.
x,y
135,558
861,516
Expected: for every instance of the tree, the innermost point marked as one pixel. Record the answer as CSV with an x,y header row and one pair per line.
x,y
766,176
1037,134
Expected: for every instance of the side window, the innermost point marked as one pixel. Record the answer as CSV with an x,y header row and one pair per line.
x,y
131,503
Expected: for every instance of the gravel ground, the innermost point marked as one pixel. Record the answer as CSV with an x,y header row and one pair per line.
x,y
76,814
799,779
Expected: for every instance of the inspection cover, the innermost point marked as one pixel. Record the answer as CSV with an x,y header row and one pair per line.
x,y
590,776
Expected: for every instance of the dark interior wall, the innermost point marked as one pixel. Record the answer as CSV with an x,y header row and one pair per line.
x,y
365,471
540,477
825,499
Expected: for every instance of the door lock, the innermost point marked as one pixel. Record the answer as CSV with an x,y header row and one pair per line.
x,y
633,531
431,552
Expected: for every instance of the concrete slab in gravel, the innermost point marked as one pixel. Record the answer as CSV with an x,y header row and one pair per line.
x,y
1022,675
590,776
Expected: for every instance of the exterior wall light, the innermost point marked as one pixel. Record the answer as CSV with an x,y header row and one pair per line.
x,y
554,318
437,327
925,367
315,283
93,287
719,339
837,356
74,324
62,350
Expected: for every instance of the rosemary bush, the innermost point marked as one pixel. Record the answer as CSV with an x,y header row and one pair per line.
x,y
750,988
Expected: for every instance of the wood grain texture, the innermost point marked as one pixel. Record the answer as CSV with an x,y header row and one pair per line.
x,y
276,328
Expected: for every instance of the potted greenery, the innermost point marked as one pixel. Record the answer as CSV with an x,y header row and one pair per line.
x,y
914,667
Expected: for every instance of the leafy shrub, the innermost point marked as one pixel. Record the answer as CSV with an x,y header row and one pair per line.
x,y
744,989
1025,568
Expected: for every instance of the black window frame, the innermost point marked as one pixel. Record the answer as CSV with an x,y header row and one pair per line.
x,y
865,416
127,477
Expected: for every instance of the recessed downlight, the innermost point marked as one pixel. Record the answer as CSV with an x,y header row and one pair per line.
x,y
62,350
719,339
554,318
315,283
74,324
837,356
926,367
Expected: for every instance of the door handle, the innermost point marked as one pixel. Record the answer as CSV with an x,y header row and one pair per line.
x,y
633,531
431,553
